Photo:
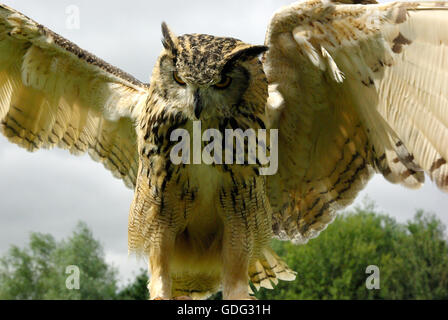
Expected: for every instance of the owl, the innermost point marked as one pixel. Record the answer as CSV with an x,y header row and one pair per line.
x,y
232,144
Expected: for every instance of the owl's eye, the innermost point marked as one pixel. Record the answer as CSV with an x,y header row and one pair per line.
x,y
178,79
224,83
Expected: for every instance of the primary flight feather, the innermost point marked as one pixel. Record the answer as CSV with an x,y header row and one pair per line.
x,y
352,89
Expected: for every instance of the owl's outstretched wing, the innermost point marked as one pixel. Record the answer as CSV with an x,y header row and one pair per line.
x,y
52,93
354,89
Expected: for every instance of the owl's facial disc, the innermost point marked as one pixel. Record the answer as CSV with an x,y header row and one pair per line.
x,y
198,105
199,91
224,83
208,75
218,98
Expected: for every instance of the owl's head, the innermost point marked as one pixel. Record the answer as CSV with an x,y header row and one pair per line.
x,y
205,76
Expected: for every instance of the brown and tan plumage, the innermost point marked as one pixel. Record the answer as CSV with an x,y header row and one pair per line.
x,y
367,93
353,89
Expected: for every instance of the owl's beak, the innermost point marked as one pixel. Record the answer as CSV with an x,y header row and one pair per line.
x,y
198,106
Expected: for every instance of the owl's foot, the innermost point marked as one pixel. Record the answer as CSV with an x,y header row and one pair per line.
x,y
183,298
176,298
241,297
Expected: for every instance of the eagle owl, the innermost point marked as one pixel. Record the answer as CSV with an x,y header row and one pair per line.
x,y
341,90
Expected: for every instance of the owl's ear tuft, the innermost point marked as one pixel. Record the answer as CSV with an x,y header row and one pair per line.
x,y
243,54
248,53
169,39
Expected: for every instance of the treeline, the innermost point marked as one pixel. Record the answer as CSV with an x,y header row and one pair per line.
x,y
412,260
409,261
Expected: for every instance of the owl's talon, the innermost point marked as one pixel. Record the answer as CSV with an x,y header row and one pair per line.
x,y
183,298
242,298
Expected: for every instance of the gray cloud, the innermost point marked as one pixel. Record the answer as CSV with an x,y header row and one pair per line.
x,y
49,191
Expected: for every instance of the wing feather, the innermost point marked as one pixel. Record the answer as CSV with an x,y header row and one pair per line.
x,y
54,94
362,89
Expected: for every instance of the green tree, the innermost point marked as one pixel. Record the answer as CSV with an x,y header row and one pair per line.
x,y
137,289
419,270
38,271
412,259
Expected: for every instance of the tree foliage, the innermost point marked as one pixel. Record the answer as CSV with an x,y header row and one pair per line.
x,y
38,271
412,259
137,289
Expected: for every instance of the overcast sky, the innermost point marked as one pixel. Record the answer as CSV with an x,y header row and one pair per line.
x,y
49,191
